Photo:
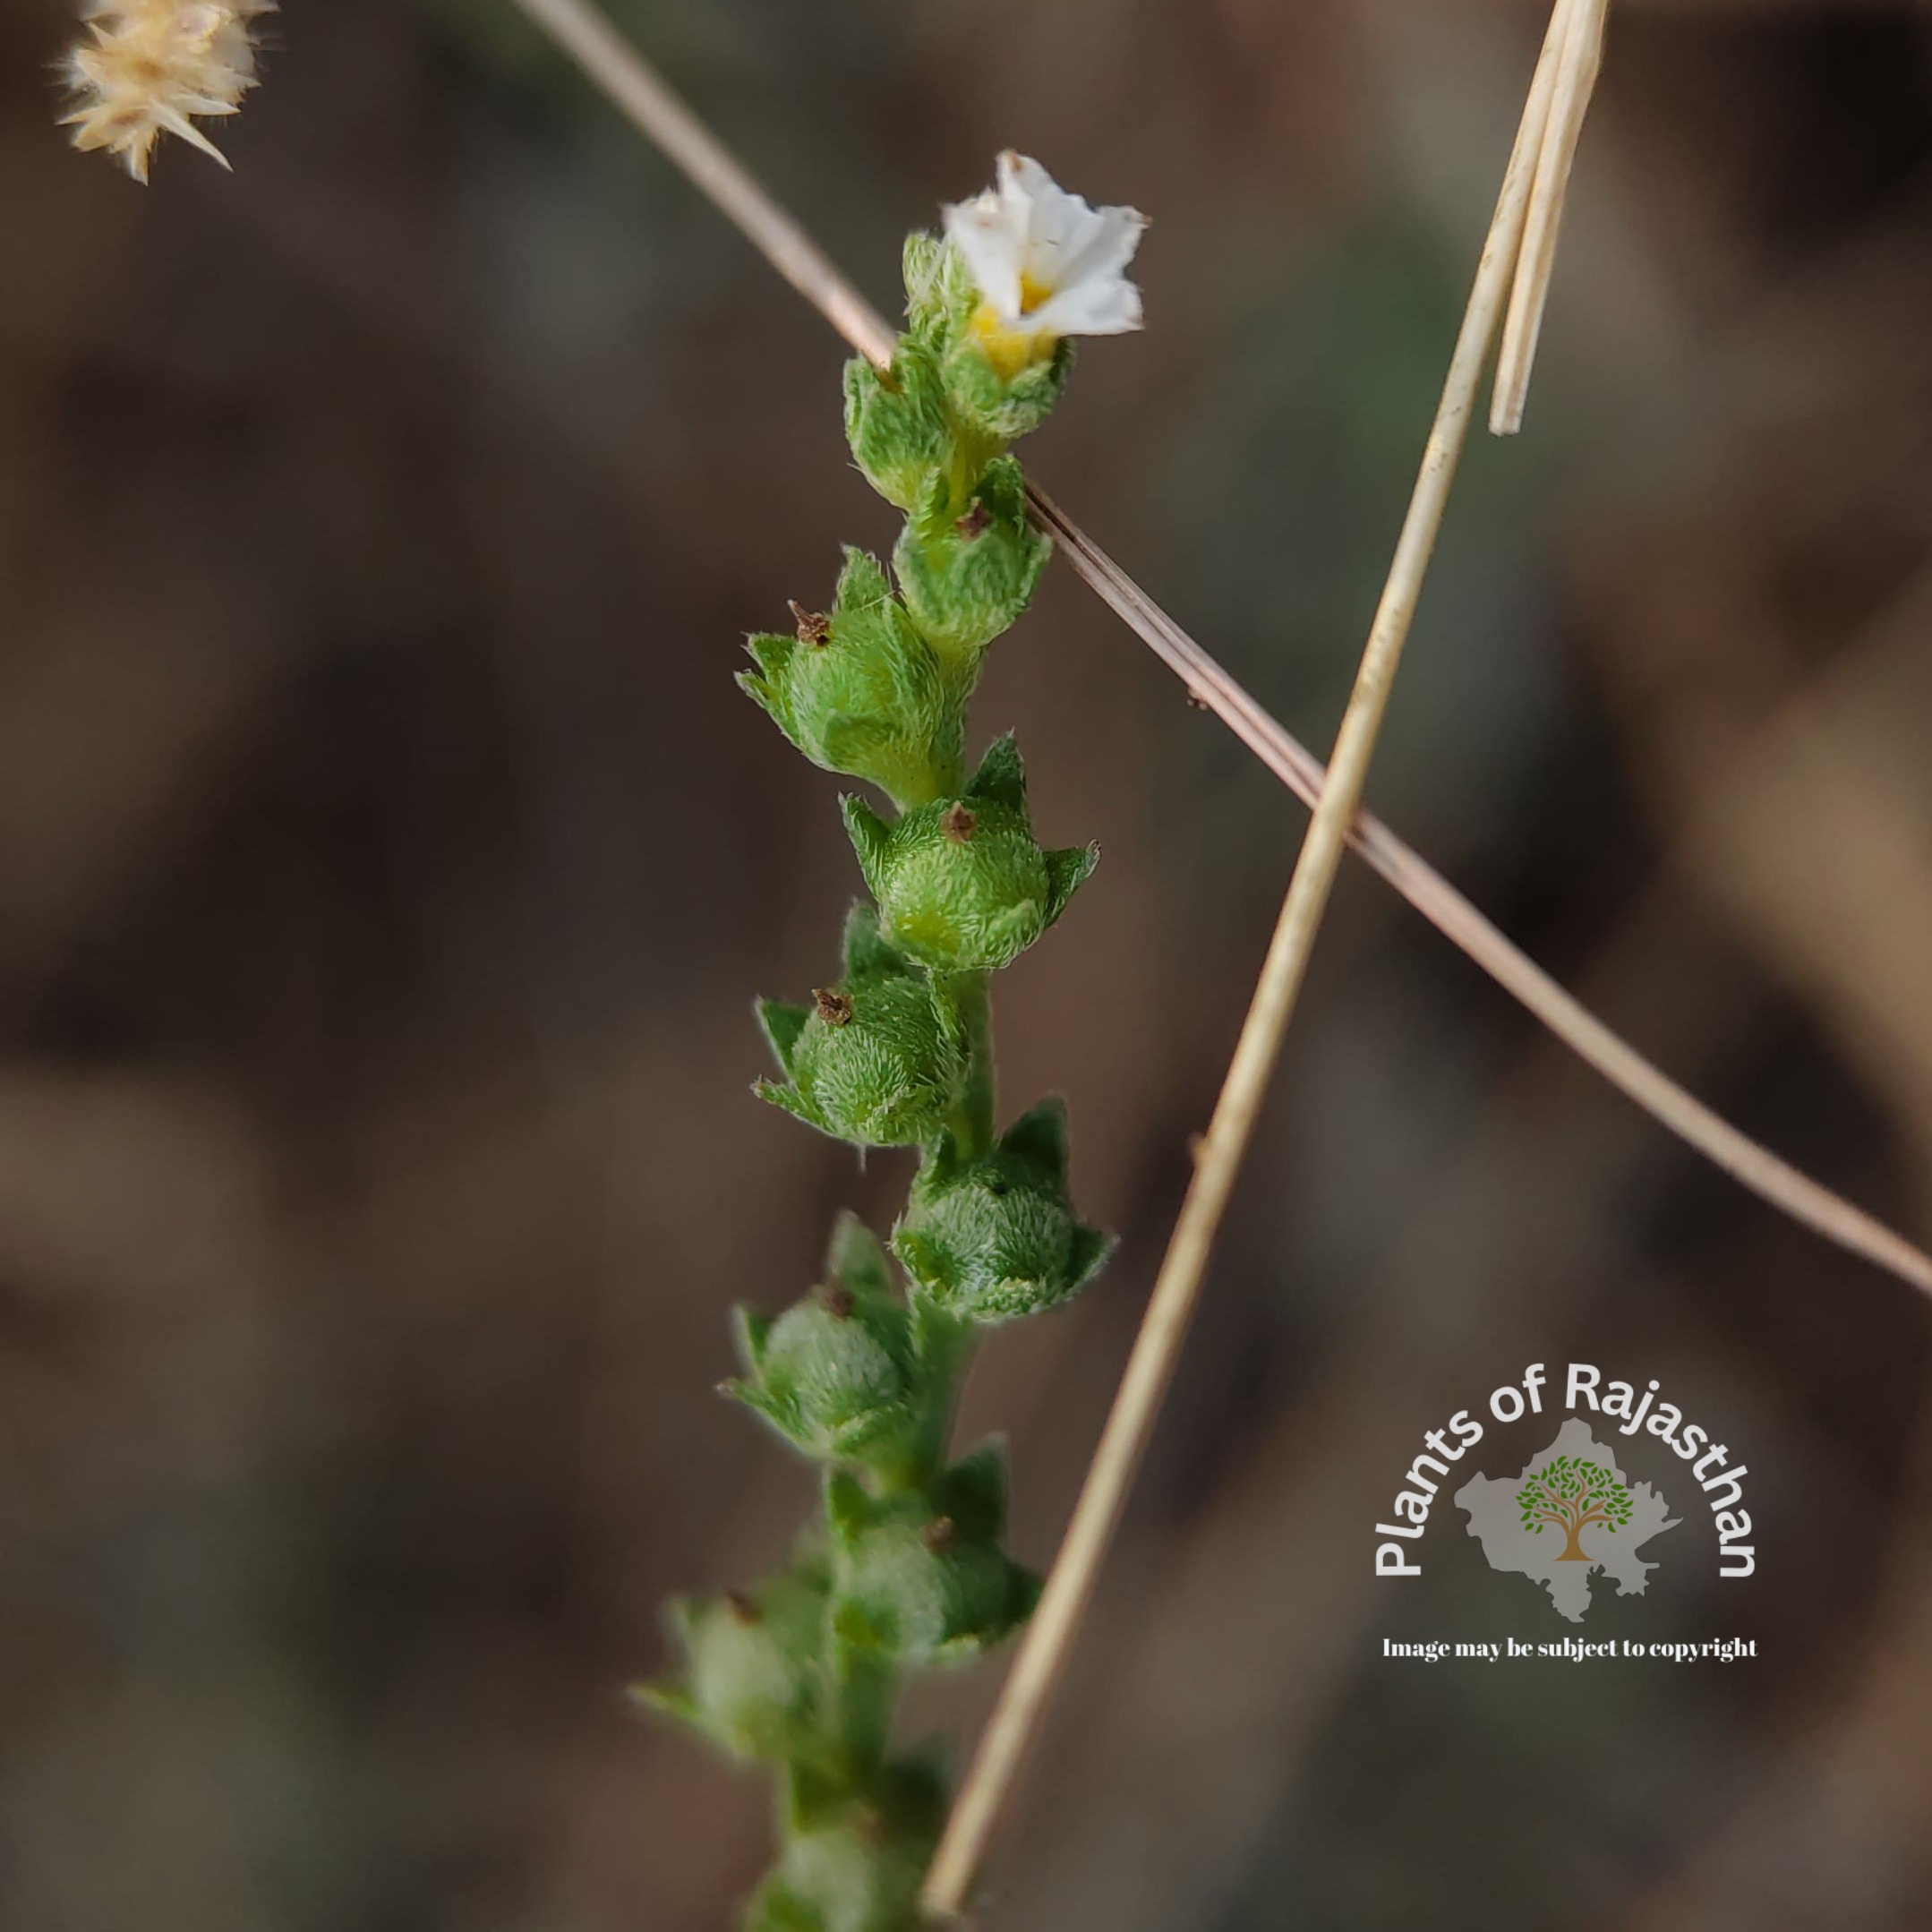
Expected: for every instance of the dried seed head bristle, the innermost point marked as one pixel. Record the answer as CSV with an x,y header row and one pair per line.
x,y
150,67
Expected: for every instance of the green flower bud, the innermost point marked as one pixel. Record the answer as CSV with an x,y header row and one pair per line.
x,y
860,691
998,405
967,578
834,1374
961,885
858,1870
923,1578
852,1877
753,1677
940,295
880,1059
996,1238
897,424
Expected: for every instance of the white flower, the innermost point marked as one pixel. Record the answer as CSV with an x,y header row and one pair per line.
x,y
1046,265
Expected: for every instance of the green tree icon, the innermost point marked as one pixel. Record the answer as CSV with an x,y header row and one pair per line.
x,y
1573,1493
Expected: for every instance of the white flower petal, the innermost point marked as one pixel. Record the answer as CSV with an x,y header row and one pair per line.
x,y
1110,308
1116,236
993,248
1027,240
1056,224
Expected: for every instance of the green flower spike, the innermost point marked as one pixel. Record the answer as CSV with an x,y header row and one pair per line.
x,y
903,1564
834,1374
961,885
996,1238
922,1577
860,691
878,1060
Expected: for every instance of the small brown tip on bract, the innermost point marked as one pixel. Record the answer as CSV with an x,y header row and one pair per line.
x,y
974,521
940,1534
838,1301
743,1609
815,627
834,1008
958,822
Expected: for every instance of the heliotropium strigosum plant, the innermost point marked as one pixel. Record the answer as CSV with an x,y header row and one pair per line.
x,y
905,1565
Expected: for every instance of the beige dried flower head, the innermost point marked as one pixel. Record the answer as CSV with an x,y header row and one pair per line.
x,y
148,67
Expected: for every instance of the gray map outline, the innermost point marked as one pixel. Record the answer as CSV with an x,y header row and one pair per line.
x,y
1496,1521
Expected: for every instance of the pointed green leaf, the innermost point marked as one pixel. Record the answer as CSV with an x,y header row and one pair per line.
x,y
1001,776
1040,1135
771,651
766,1408
789,1101
919,264
1066,872
938,1335
1090,1252
1027,1585
748,1330
973,1493
858,1260
863,584
940,1162
866,950
782,1023
665,1700
765,697
869,835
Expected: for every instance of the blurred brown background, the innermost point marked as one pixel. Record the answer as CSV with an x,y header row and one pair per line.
x,y
387,865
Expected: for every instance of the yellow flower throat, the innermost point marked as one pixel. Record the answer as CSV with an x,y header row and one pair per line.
x,y
1011,350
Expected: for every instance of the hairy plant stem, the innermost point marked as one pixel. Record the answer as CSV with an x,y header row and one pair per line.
x,y
950,1344
973,1119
